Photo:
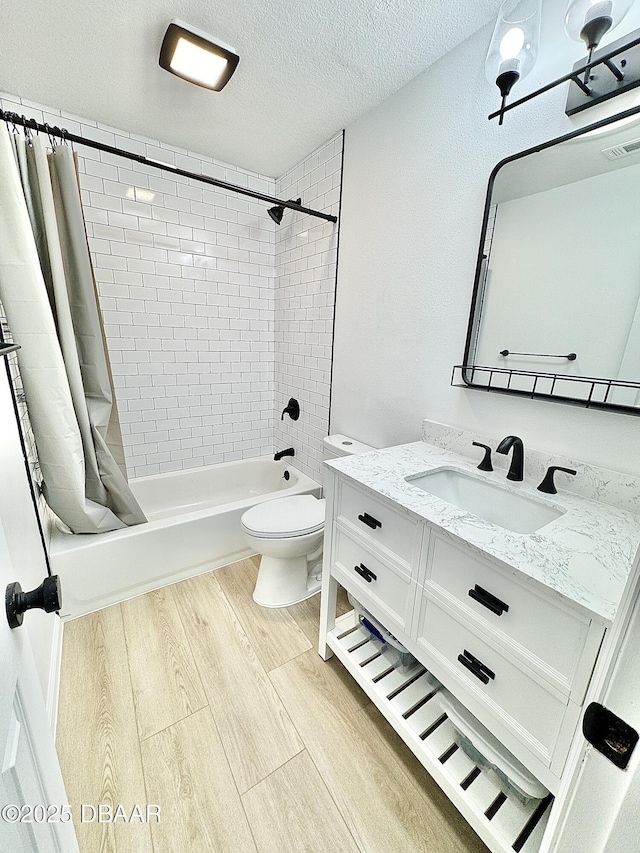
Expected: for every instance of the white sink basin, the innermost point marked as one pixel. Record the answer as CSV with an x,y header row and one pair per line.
x,y
490,501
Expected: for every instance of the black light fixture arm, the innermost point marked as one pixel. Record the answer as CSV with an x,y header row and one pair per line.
x,y
65,136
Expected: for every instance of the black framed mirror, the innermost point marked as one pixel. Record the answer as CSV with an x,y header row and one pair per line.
x,y
555,311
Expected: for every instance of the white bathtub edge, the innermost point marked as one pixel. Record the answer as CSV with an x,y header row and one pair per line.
x,y
118,596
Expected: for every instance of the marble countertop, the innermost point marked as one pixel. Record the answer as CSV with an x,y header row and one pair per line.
x,y
585,555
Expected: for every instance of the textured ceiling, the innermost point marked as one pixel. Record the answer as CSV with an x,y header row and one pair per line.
x,y
307,69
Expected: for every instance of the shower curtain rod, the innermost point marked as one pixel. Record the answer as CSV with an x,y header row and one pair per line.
x,y
65,136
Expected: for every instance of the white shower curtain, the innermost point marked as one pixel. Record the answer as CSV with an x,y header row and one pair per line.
x,y
48,293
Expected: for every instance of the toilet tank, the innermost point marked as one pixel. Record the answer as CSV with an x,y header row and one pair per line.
x,y
341,445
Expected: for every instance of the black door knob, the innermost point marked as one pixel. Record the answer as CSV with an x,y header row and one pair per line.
x,y
47,597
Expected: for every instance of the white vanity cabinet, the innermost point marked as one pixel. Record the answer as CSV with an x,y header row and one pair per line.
x,y
518,656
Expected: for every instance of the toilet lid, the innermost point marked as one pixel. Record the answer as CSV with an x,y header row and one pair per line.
x,y
291,516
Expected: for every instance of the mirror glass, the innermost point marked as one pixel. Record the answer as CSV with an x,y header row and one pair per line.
x,y
556,307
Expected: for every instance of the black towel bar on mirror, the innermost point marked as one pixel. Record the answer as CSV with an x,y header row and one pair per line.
x,y
570,356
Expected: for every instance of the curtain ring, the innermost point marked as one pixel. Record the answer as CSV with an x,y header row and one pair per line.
x,y
48,130
27,131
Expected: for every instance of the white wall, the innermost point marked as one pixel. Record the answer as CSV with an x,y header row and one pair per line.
x,y
415,177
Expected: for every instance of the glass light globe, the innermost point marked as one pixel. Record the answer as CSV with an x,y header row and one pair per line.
x,y
582,17
515,38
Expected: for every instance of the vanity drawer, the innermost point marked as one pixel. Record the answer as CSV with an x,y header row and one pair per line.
x,y
379,524
553,634
531,710
374,581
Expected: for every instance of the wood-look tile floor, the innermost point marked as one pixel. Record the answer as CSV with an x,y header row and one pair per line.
x,y
220,712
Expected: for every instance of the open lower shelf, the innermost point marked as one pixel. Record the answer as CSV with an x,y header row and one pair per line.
x,y
409,702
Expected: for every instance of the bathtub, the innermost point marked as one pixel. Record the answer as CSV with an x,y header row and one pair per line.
x,y
193,526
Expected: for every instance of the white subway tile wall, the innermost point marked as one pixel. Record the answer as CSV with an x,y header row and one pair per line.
x,y
187,279
305,283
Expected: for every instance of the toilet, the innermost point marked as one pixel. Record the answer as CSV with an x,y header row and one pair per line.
x,y
288,533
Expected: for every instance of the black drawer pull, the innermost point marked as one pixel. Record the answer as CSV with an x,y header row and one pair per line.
x,y
369,520
489,601
476,667
365,573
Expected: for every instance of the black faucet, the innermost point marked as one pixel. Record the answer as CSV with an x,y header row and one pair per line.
x,y
288,452
485,465
516,469
292,409
547,485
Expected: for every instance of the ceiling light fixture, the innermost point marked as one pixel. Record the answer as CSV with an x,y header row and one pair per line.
x,y
197,57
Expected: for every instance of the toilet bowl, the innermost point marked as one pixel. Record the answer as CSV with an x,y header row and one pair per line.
x,y
288,533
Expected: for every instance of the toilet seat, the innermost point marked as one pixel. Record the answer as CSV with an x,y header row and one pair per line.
x,y
284,518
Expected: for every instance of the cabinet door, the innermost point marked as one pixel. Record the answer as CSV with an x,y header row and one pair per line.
x,y
515,698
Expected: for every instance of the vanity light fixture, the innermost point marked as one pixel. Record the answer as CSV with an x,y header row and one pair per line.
x,y
197,57
514,45
603,74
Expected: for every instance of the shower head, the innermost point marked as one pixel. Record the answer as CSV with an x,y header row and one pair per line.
x,y
277,212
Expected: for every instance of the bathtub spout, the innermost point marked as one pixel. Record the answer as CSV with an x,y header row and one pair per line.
x,y
288,452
